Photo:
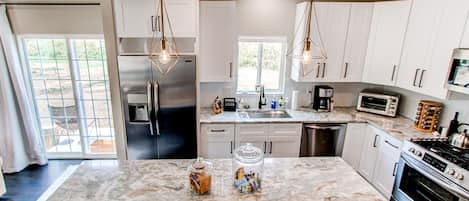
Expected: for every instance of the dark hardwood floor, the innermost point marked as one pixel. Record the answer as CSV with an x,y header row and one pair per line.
x,y
29,184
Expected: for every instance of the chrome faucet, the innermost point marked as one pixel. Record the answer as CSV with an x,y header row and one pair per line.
x,y
262,100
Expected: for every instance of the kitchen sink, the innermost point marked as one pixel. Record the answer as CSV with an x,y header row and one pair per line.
x,y
265,114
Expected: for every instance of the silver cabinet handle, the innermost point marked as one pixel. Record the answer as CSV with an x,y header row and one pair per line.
x,y
231,69
421,78
415,76
149,105
395,169
319,68
374,142
394,146
158,23
217,130
346,69
156,106
153,23
265,147
393,72
231,147
323,127
271,145
323,69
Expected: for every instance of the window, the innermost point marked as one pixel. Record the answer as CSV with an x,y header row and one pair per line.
x,y
70,86
261,61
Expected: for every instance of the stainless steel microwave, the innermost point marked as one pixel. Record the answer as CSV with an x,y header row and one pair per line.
x,y
458,78
378,102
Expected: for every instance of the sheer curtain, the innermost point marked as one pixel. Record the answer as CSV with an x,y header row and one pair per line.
x,y
20,138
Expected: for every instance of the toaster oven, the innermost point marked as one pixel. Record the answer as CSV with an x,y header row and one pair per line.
x,y
378,102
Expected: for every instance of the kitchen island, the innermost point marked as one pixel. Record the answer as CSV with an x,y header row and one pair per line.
x,y
316,178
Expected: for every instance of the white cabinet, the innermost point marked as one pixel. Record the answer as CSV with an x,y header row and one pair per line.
x,y
2,182
353,145
386,164
357,42
276,139
217,40
435,29
217,140
140,18
332,20
386,37
370,152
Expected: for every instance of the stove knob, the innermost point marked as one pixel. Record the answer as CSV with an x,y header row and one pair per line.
x,y
418,153
412,150
460,176
451,171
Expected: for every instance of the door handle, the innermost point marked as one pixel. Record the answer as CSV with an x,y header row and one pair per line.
x,y
319,68
393,72
323,69
158,23
149,105
156,105
395,169
374,142
265,147
271,145
346,69
415,76
421,78
153,23
231,69
231,147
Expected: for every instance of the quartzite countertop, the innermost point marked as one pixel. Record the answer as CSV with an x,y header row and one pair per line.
x,y
399,127
317,178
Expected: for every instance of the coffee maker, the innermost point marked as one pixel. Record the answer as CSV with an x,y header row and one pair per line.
x,y
322,101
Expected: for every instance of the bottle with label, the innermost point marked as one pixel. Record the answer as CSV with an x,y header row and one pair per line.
x,y
281,103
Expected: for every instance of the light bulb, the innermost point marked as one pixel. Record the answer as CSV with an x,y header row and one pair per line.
x,y
306,57
164,57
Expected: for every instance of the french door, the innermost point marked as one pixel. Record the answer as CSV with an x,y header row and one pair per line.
x,y
70,87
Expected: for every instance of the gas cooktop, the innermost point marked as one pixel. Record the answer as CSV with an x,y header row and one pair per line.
x,y
442,148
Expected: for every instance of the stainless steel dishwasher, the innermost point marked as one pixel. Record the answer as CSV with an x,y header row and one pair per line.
x,y
322,140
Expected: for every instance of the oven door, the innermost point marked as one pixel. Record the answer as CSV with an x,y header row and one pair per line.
x,y
418,181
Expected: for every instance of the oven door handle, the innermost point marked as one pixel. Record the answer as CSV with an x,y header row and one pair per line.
x,y
449,186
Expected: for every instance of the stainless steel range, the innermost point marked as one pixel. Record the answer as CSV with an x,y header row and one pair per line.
x,y
432,170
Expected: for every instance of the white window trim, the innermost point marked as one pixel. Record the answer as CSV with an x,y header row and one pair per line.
x,y
282,78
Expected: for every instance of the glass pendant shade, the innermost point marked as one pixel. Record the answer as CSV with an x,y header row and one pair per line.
x,y
163,50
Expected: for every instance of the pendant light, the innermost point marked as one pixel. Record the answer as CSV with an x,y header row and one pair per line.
x,y
307,51
163,51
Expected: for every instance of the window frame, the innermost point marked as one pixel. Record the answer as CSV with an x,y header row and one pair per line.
x,y
26,70
282,77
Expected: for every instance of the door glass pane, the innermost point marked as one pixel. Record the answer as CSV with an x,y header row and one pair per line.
x,y
248,62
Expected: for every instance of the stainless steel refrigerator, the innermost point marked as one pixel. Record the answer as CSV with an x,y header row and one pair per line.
x,y
160,111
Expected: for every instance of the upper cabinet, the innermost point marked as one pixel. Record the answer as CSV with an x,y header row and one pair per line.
x,y
343,29
217,40
140,18
435,29
386,37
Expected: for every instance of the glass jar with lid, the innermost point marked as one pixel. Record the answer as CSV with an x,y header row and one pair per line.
x,y
248,167
200,177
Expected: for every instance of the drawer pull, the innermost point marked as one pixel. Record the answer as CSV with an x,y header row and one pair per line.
x,y
217,130
394,146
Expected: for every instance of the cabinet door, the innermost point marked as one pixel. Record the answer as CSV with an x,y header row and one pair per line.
x,y
134,18
369,153
284,140
357,42
386,164
217,41
353,145
387,32
183,17
446,38
217,140
255,134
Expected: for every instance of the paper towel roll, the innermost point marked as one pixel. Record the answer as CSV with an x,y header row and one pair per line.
x,y
295,99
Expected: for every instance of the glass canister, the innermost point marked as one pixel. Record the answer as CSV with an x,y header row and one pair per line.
x,y
200,177
248,167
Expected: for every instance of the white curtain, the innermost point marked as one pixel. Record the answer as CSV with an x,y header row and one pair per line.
x,y
20,138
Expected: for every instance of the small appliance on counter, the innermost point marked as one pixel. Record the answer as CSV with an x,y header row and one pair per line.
x,y
229,104
458,78
378,102
322,99
427,116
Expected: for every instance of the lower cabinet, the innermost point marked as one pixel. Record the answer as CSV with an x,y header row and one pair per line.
x,y
353,144
370,152
217,140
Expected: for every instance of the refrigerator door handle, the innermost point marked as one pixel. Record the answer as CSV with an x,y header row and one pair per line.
x,y
156,105
149,107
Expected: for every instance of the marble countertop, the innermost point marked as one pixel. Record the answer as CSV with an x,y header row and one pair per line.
x,y
316,178
400,127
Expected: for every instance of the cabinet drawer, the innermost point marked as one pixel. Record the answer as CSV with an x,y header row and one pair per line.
x,y
285,129
218,132
252,129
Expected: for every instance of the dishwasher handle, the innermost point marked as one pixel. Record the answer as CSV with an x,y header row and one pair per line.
x,y
334,127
